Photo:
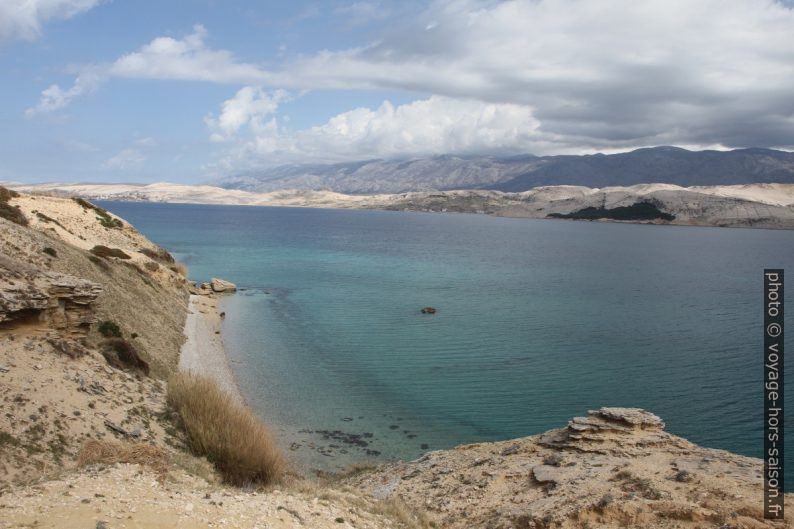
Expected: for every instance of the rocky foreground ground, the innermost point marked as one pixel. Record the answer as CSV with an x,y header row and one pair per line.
x,y
87,439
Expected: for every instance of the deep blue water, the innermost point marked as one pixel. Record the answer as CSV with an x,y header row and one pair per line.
x,y
538,321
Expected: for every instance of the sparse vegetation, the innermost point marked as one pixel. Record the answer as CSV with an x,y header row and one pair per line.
x,y
9,212
637,485
6,439
638,211
101,263
109,452
48,219
161,254
109,329
50,251
151,266
7,194
180,268
103,251
225,431
103,216
121,354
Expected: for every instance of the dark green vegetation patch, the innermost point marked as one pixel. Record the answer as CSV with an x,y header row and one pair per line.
x,y
103,216
103,251
637,211
109,329
9,212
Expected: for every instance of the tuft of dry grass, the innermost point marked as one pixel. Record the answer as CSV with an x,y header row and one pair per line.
x,y
180,268
225,431
109,452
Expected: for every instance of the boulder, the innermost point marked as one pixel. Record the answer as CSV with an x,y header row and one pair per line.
x,y
220,285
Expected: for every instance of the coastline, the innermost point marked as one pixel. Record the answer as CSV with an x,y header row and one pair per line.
x,y
203,352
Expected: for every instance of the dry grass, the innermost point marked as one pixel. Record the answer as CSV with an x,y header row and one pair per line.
x,y
224,430
109,452
180,268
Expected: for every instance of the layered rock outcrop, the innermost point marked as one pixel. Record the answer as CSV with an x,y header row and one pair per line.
x,y
59,301
616,467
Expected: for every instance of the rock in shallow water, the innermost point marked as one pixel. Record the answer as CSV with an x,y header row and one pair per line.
x,y
221,285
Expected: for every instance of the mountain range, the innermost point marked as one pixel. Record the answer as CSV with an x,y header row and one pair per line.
x,y
671,165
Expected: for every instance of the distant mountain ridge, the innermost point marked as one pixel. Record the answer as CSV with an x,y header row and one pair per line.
x,y
670,165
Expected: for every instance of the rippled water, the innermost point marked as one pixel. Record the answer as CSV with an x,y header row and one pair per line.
x,y
538,321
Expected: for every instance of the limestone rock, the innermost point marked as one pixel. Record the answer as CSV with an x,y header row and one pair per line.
x,y
220,285
59,301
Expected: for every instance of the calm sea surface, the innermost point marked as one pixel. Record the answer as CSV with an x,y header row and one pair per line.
x,y
538,321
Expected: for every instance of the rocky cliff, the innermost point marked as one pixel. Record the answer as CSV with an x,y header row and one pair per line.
x,y
616,467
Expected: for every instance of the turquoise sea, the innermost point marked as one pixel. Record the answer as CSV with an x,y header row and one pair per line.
x,y
538,321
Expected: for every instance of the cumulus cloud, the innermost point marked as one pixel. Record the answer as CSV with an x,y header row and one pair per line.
x,y
164,58
430,126
613,72
187,59
249,106
600,74
24,18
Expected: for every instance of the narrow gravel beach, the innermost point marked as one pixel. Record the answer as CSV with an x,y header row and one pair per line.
x,y
203,351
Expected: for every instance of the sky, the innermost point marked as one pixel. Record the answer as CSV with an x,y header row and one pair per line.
x,y
192,91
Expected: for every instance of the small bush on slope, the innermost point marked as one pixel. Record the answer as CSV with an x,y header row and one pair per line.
x,y
103,251
224,430
9,212
109,328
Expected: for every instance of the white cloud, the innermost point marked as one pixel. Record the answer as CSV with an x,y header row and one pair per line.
x,y
54,98
431,126
249,106
24,18
613,71
164,58
600,74
187,59
125,159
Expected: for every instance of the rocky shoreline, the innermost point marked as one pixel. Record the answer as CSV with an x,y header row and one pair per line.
x,y
92,316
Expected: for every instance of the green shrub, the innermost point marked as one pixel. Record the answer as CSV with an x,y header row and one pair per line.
x,y
7,194
120,353
12,213
645,210
109,329
225,431
103,216
103,251
50,251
